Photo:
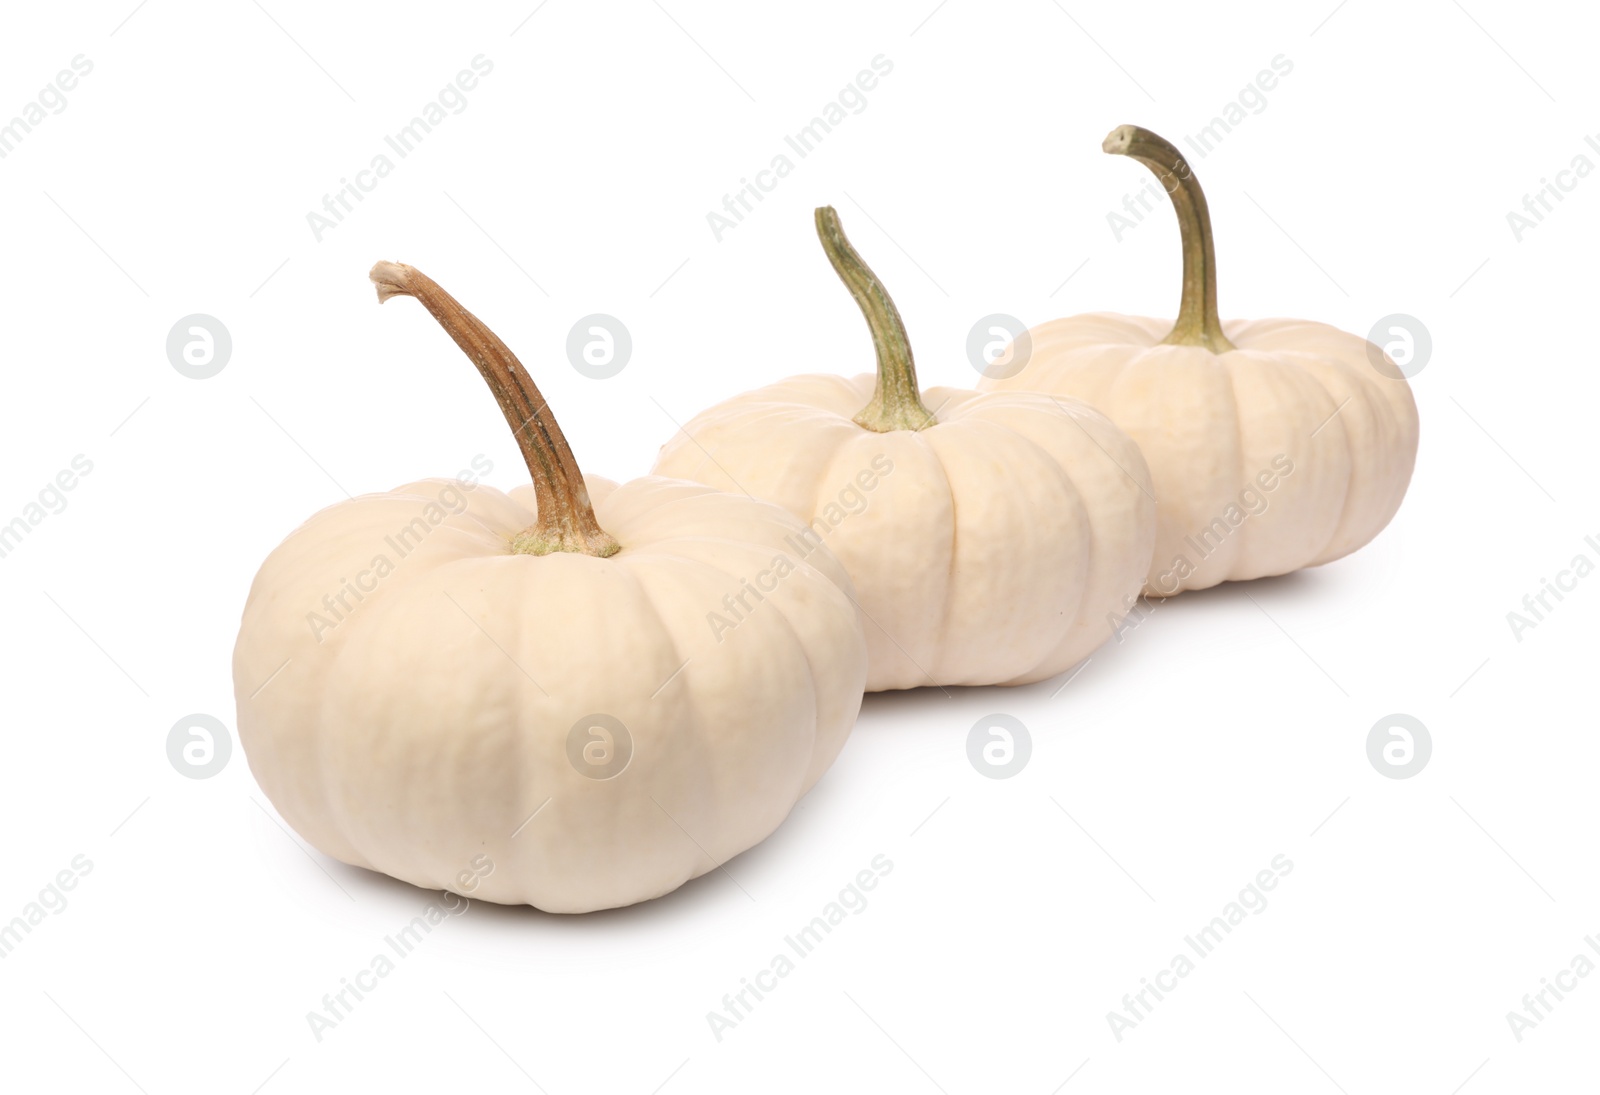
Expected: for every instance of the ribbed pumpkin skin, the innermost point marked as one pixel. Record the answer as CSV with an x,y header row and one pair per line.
x,y
1002,546
1212,425
427,726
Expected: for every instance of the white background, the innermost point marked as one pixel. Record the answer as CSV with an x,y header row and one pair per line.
x,y
1229,728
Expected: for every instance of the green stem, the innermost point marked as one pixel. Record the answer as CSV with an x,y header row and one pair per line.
x,y
1197,323
566,520
896,403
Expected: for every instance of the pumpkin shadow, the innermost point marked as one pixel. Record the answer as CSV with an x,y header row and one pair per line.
x,y
695,898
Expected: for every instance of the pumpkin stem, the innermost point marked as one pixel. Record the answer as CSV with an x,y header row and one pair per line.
x,y
1197,323
566,520
896,403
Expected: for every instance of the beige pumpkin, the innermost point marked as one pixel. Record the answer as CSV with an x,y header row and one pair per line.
x,y
522,696
992,538
1274,444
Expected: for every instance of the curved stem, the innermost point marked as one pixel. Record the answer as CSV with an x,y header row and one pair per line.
x,y
896,403
1197,324
566,520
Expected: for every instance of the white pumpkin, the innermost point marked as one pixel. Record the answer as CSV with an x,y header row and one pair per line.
x,y
1274,444
524,696
992,539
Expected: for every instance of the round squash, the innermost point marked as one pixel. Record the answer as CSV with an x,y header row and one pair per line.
x,y
523,696
1274,444
992,538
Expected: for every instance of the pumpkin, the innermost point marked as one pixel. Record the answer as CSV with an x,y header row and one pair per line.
x,y
992,538
522,695
1274,444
